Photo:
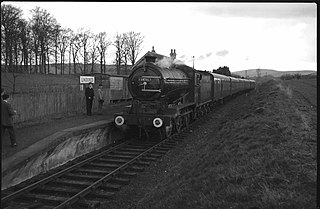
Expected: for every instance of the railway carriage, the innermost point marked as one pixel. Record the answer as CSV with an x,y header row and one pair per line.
x,y
166,99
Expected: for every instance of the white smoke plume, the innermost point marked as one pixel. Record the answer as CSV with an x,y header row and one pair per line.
x,y
166,62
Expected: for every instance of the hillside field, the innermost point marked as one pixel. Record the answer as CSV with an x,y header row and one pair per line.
x,y
254,152
274,73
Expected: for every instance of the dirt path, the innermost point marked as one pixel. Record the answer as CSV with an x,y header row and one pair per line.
x,y
256,151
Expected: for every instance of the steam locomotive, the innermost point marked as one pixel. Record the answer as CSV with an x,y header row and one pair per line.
x,y
168,98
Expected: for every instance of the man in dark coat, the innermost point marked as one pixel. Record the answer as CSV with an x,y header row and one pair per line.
x,y
89,93
6,119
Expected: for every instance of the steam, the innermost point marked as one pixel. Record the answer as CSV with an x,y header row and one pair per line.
x,y
166,62
222,53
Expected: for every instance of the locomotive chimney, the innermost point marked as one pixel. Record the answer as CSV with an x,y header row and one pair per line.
x,y
150,58
153,49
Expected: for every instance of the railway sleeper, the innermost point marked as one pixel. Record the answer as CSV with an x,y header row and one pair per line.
x,y
99,194
71,183
140,143
129,149
56,190
46,199
93,171
120,156
148,159
112,160
119,180
117,152
154,155
135,168
127,174
168,146
105,165
163,147
110,187
141,162
137,146
170,143
79,176
160,151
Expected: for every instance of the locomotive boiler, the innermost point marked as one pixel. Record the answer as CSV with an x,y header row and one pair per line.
x,y
151,82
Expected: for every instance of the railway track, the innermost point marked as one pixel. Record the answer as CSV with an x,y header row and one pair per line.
x,y
92,181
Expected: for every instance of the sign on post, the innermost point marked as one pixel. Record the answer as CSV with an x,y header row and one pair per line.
x,y
86,79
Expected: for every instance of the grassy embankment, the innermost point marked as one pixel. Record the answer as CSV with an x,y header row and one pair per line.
x,y
258,152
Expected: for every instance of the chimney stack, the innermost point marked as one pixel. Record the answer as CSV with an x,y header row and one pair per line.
x,y
153,49
173,54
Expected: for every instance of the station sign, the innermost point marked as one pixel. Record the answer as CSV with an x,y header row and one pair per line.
x,y
86,79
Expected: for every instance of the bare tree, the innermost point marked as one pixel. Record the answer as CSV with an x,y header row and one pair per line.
x,y
63,42
119,43
93,50
24,44
126,53
133,42
56,35
43,25
103,44
10,17
84,36
75,46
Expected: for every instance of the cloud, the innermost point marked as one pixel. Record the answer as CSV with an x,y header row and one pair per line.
x,y
201,57
222,53
183,56
259,10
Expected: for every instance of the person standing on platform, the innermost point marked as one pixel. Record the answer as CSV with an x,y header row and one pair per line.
x,y
100,99
89,93
6,119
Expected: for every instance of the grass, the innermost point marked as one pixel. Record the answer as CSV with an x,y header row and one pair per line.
x,y
257,153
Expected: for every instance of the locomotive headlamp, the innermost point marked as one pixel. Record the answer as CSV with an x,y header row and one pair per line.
x,y
119,120
157,122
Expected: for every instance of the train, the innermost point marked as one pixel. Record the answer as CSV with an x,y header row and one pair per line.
x,y
166,99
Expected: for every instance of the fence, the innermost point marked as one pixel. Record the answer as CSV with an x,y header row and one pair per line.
x,y
58,100
47,101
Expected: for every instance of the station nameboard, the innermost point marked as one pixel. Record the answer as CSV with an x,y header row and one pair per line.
x,y
86,79
116,83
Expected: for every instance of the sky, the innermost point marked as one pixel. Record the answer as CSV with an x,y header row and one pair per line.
x,y
278,36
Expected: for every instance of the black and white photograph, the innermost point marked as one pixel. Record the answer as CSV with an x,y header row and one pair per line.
x,y
158,105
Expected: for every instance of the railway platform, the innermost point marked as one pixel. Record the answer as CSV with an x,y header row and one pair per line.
x,y
33,139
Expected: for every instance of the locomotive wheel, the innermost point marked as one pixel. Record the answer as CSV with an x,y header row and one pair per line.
x,y
179,124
